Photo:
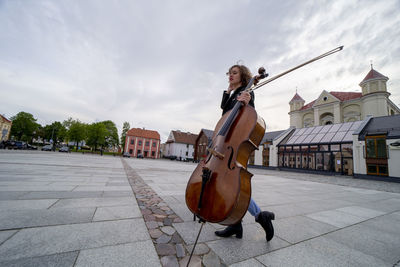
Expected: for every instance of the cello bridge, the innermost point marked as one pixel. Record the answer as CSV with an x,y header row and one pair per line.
x,y
216,153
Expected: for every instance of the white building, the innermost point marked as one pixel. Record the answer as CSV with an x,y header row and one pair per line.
x,y
180,145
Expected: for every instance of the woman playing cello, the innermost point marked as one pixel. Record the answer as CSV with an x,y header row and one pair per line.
x,y
239,77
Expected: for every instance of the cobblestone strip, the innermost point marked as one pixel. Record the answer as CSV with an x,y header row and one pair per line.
x,y
159,217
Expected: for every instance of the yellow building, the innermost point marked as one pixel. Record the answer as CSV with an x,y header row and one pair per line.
x,y
339,107
5,128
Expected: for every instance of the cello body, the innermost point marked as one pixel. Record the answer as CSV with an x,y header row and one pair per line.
x,y
219,189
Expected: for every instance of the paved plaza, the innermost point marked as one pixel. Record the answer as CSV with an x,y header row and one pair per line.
x,y
59,209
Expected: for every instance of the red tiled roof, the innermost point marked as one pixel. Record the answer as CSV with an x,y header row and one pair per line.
x,y
143,133
372,74
4,119
342,96
309,105
296,97
184,138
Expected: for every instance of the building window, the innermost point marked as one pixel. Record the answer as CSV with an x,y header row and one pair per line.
x,y
130,151
132,142
140,142
376,147
376,155
139,151
326,119
153,153
147,143
154,144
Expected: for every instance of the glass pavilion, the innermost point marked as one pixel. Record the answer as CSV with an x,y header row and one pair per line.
x,y
327,148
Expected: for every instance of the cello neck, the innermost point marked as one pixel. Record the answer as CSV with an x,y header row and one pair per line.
x,y
225,127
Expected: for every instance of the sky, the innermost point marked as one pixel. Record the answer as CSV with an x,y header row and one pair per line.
x,y
161,65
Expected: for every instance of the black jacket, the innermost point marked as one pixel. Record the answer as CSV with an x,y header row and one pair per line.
x,y
228,102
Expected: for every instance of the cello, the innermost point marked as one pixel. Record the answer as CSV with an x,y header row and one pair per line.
x,y
219,188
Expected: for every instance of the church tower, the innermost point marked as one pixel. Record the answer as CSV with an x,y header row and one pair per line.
x,y
374,94
373,82
296,104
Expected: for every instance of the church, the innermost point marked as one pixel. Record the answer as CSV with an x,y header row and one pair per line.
x,y
339,107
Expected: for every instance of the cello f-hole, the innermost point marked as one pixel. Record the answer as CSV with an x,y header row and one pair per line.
x,y
230,159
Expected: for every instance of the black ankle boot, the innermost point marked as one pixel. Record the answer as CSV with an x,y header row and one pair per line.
x,y
264,218
235,229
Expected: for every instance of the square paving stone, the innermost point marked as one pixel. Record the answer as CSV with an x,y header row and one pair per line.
x,y
248,263
32,218
36,188
4,235
12,195
253,243
61,194
189,230
379,237
117,212
141,253
127,193
66,238
387,205
323,205
182,211
6,205
361,212
318,252
336,218
95,202
102,188
59,260
394,216
300,228
284,211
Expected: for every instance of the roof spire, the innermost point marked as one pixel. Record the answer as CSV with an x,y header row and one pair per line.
x,y
371,64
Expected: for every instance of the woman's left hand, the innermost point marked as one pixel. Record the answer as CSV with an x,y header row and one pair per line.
x,y
244,97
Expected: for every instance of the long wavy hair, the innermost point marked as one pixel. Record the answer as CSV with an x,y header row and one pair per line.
x,y
245,74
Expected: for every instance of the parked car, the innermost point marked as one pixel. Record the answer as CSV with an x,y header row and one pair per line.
x,y
139,156
30,147
19,145
8,144
126,155
47,148
64,149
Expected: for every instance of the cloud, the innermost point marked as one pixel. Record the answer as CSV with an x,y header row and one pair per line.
x,y
161,65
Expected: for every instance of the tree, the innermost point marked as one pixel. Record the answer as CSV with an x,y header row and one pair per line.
x,y
77,132
23,126
96,134
125,129
67,123
111,139
39,133
55,132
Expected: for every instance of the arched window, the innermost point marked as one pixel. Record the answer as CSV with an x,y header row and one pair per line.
x,y
326,118
308,123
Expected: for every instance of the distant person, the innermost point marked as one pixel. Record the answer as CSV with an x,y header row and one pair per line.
x,y
239,77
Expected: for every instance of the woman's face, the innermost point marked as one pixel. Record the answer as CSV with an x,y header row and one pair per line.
x,y
234,76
